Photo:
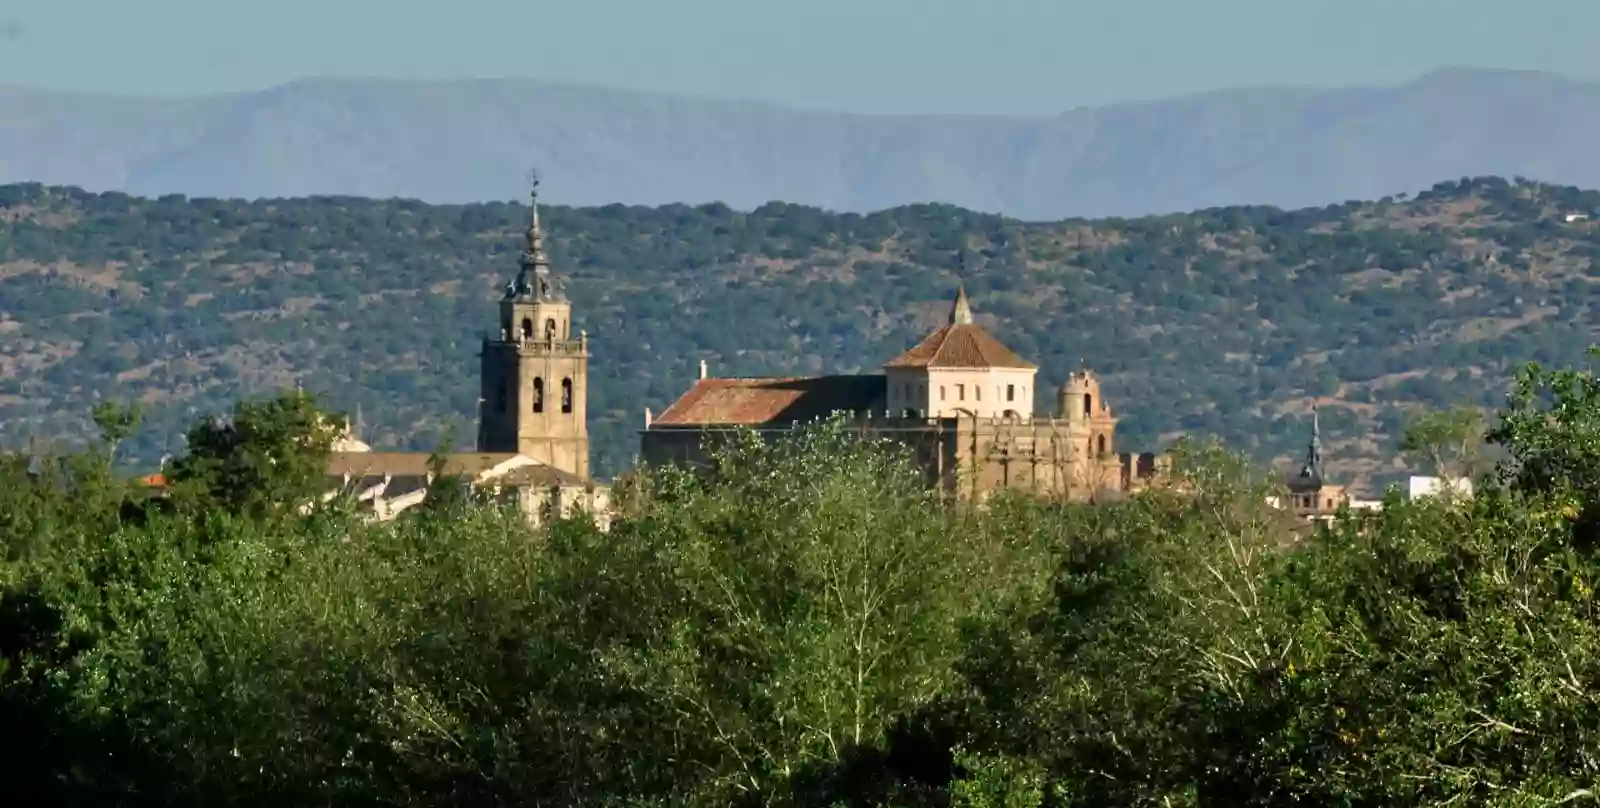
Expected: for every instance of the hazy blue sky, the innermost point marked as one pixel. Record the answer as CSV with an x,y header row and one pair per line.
x,y
868,55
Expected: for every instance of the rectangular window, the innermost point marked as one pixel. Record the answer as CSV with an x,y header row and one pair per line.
x,y
977,392
961,392
1011,392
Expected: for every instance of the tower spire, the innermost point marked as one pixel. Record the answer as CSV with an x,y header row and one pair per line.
x,y
1313,466
961,311
533,278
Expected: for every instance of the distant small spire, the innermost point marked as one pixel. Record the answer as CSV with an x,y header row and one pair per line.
x,y
1313,466
961,312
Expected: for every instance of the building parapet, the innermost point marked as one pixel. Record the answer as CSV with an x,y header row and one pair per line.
x,y
568,347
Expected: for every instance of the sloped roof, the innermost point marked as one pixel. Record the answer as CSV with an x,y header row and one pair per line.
x,y
538,475
405,464
772,400
408,471
960,345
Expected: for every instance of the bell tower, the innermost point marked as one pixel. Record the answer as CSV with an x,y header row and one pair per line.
x,y
535,375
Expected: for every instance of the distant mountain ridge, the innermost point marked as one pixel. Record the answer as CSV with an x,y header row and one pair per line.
x,y
473,140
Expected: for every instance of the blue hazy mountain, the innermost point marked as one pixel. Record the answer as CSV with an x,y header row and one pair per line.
x,y
473,140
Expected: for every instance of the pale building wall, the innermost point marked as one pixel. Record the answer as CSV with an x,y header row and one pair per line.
x,y
986,392
1419,487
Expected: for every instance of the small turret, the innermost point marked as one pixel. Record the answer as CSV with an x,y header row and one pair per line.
x,y
1079,398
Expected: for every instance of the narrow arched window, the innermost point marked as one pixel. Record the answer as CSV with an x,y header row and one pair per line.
x,y
1102,444
566,395
1088,404
538,395
1011,392
550,329
527,328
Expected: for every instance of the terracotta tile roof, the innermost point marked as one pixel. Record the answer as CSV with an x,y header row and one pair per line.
x,y
539,475
774,400
409,470
960,345
398,464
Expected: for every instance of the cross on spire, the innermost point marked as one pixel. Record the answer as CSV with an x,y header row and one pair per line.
x,y
961,310
534,279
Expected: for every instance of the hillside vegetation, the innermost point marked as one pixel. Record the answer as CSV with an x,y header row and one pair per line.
x,y
1228,321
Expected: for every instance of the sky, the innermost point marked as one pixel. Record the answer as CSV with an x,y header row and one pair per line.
x,y
978,56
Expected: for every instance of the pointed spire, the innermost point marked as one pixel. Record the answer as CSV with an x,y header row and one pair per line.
x,y
961,312
533,280
1313,466
533,253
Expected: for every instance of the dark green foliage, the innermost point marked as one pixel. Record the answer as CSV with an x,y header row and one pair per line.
x,y
1219,321
804,626
270,455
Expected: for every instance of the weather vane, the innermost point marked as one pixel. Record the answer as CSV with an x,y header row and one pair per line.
x,y
532,178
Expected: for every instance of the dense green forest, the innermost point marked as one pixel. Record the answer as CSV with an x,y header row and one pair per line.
x,y
1225,322
806,625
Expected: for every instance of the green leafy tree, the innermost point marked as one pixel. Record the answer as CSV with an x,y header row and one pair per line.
x,y
769,623
117,423
1447,443
268,456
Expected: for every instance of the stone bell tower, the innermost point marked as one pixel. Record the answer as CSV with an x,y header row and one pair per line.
x,y
534,399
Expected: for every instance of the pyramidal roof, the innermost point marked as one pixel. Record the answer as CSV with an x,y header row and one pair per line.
x,y
960,343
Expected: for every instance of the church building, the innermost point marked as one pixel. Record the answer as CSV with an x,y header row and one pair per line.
x,y
533,429
1311,496
960,400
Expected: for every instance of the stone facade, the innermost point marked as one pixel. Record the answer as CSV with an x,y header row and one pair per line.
x,y
960,401
533,433
535,375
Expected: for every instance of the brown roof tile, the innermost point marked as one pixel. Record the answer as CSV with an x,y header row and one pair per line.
x,y
409,470
538,475
960,345
366,464
779,400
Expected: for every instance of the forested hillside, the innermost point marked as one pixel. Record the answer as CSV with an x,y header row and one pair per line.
x,y
1227,321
